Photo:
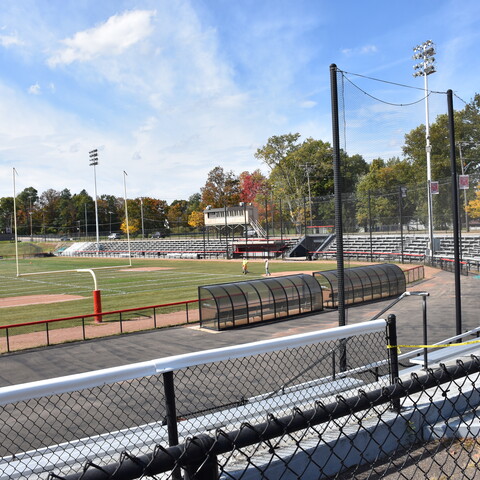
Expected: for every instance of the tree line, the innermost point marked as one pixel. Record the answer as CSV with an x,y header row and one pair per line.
x,y
298,171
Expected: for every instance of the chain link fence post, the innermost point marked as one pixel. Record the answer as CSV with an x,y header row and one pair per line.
x,y
171,416
206,466
393,355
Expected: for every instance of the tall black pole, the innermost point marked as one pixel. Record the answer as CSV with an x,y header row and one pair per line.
x,y
456,233
370,224
400,211
266,214
338,194
226,231
281,223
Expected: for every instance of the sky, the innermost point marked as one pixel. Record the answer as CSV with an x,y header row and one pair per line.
x,y
166,90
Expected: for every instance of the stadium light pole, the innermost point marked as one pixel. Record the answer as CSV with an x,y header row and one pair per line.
x,y
94,162
426,67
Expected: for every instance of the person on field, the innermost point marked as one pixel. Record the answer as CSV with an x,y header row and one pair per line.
x,y
245,265
267,267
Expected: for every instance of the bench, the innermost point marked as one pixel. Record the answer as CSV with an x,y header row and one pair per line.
x,y
446,354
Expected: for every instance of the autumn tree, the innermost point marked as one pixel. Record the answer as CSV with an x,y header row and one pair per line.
x,y
467,132
304,170
253,185
177,213
221,188
378,192
196,219
133,226
154,213
473,207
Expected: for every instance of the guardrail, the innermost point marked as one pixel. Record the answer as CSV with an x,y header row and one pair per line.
x,y
113,323
467,265
363,255
414,274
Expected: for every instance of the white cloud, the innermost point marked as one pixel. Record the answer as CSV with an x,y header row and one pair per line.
x,y
9,40
111,38
368,49
34,89
308,104
363,50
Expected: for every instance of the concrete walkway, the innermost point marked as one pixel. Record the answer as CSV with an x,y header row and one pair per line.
x,y
137,347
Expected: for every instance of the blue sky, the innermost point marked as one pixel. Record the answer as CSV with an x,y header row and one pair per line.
x,y
169,89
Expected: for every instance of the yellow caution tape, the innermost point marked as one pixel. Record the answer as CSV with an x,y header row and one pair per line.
x,y
440,345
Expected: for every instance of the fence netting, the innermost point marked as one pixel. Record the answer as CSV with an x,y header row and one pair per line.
x,y
422,427
385,123
67,430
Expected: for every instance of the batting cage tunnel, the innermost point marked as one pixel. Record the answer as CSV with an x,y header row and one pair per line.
x,y
230,305
362,284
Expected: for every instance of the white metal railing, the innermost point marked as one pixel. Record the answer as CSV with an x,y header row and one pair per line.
x,y
70,383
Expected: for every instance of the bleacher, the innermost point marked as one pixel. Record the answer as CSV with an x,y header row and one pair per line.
x,y
389,247
356,247
383,247
162,248
470,246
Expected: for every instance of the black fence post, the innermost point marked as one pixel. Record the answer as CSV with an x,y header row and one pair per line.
x,y
456,231
400,211
337,180
207,466
393,355
425,338
370,225
171,416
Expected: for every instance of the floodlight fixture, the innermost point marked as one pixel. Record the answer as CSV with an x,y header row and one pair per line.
x,y
93,154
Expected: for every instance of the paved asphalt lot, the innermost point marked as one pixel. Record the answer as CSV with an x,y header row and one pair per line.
x,y
121,350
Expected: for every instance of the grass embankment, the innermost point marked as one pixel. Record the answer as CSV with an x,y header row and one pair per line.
x,y
7,248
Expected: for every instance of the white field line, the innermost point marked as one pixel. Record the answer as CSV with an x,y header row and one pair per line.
x,y
128,288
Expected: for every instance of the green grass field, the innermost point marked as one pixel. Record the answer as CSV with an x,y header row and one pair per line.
x,y
123,287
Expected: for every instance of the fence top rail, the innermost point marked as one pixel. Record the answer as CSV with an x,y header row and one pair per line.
x,y
71,383
92,315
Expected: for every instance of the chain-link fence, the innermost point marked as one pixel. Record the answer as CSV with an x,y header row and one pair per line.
x,y
432,434
329,404
62,424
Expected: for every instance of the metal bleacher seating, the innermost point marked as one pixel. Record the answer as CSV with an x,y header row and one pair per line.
x,y
164,248
385,247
